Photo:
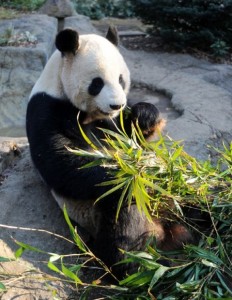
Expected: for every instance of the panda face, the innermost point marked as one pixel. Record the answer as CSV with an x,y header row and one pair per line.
x,y
95,78
89,71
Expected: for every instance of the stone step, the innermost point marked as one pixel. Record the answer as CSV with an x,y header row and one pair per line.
x,y
131,33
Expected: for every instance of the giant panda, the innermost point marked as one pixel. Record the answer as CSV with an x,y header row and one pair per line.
x,y
87,76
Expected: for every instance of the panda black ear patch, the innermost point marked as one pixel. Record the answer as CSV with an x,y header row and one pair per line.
x,y
112,35
67,41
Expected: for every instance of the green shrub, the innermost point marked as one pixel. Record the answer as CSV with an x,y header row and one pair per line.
x,y
190,23
6,13
88,8
23,4
97,9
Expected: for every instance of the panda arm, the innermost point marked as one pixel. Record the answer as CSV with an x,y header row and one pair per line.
x,y
147,116
52,125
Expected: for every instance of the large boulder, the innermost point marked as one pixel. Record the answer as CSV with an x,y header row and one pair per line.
x,y
21,66
30,215
58,8
81,23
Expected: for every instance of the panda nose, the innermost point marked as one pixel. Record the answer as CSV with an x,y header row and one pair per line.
x,y
116,107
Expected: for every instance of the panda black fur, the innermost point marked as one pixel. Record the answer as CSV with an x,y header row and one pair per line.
x,y
88,76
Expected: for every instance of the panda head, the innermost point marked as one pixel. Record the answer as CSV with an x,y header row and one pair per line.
x,y
93,74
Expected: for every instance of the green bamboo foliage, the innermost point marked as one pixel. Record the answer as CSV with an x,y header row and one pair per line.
x,y
160,176
155,174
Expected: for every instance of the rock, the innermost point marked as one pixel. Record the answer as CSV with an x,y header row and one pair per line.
x,y
131,33
25,207
9,152
21,67
220,75
205,109
58,8
28,282
81,23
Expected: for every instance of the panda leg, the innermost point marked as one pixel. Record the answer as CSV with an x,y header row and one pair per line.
x,y
84,213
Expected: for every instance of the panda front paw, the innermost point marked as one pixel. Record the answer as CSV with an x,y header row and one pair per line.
x,y
148,118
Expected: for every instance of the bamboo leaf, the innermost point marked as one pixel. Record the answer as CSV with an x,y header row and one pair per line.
x,y
92,164
162,191
115,181
75,268
226,283
68,273
75,236
24,247
119,186
209,263
208,255
137,279
54,257
177,153
88,141
5,259
157,275
53,267
188,286
141,199
2,287
116,135
128,169
19,252
122,123
137,133
122,199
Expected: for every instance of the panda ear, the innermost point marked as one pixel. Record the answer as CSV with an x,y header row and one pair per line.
x,y
112,35
67,41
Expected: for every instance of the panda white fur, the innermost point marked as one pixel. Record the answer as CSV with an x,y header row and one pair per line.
x,y
88,75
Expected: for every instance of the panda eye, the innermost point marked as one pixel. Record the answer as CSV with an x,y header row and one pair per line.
x,y
121,81
96,86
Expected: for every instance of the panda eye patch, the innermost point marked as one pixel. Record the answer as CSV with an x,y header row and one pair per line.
x,y
96,86
121,81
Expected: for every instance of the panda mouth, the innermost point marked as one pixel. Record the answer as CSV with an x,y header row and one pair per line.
x,y
98,115
101,114
107,114
99,111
